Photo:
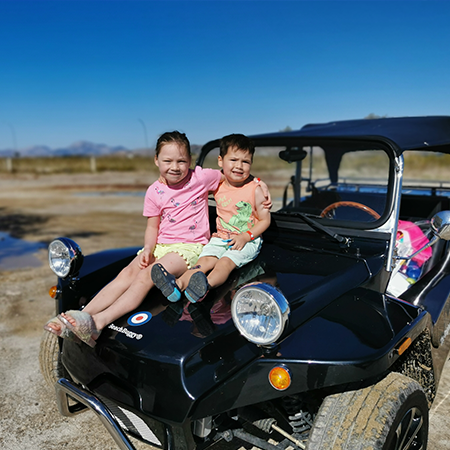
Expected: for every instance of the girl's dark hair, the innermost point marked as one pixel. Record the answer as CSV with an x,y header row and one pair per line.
x,y
238,141
175,137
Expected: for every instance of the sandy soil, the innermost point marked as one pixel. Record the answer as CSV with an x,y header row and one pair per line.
x,y
98,212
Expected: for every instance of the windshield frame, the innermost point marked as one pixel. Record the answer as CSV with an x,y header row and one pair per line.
x,y
383,228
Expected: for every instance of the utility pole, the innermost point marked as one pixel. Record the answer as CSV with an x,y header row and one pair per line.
x,y
145,133
13,134
9,164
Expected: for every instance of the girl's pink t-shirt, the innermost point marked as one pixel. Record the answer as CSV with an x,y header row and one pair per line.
x,y
183,208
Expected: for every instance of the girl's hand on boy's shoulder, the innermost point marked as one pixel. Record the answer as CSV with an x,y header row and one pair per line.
x,y
267,203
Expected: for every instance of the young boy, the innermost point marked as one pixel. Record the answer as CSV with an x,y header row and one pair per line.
x,y
241,219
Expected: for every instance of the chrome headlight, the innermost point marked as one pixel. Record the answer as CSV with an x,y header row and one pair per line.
x,y
260,312
64,257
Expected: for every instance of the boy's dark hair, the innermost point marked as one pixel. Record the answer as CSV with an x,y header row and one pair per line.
x,y
239,141
173,136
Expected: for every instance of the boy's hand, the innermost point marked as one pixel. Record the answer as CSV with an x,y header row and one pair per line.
x,y
238,242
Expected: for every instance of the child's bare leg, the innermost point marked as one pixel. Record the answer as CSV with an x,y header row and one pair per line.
x,y
205,263
112,291
108,295
221,272
199,284
138,290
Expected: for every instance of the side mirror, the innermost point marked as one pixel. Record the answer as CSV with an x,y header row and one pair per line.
x,y
292,155
440,224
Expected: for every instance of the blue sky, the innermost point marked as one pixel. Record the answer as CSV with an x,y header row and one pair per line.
x,y
123,72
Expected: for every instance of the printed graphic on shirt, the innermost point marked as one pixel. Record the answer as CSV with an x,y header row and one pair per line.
x,y
167,215
195,203
242,220
159,191
192,228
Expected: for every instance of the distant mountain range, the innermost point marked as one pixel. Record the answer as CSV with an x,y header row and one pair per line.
x,y
81,148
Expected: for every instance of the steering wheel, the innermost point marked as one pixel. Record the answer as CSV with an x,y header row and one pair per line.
x,y
333,206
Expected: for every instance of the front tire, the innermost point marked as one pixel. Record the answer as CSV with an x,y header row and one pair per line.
x,y
50,359
390,415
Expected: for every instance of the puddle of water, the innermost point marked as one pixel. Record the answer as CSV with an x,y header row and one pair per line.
x,y
17,253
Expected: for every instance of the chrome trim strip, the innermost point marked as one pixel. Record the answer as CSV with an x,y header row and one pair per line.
x,y
65,389
390,226
398,181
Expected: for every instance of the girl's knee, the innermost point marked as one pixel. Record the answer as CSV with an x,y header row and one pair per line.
x,y
145,274
129,271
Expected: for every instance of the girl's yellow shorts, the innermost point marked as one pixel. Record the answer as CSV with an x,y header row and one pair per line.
x,y
189,252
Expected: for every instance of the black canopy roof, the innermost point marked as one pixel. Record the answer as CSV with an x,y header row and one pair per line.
x,y
430,133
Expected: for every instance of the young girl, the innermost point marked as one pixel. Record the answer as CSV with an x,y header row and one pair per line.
x,y
176,207
241,220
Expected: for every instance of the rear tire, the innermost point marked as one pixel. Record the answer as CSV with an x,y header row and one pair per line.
x,y
50,359
390,415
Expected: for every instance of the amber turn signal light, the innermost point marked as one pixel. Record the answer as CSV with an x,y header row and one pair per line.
x,y
53,291
280,378
404,346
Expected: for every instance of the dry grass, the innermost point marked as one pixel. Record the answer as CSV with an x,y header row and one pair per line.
x,y
78,164
417,165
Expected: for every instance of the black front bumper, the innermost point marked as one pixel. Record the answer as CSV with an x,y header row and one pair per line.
x,y
73,399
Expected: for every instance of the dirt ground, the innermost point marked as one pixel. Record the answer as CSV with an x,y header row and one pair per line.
x,y
99,212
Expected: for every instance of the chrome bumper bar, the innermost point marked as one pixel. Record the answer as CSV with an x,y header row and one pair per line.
x,y
65,390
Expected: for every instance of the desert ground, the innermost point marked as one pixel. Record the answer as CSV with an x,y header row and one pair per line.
x,y
98,211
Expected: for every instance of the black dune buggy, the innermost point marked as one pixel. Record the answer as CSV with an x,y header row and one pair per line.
x,y
333,338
